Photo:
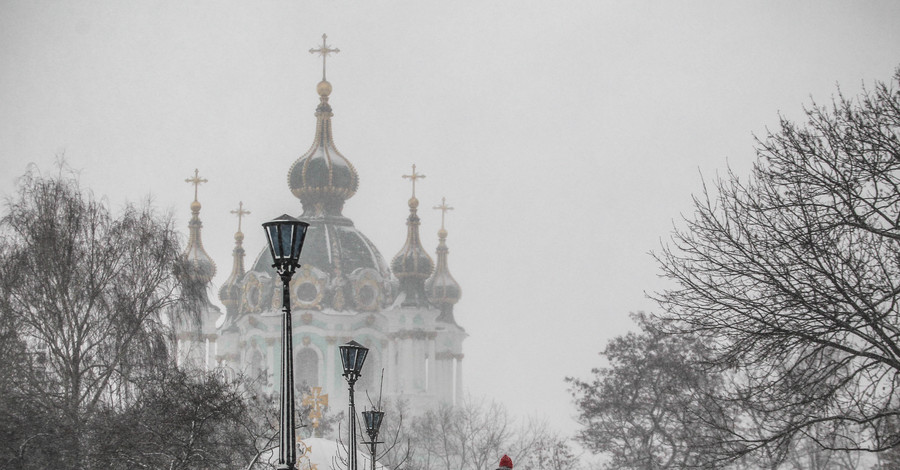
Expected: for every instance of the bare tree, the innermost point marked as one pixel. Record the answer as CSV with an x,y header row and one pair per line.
x,y
88,296
651,407
179,420
792,276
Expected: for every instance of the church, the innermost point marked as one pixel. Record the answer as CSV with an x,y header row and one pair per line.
x,y
344,290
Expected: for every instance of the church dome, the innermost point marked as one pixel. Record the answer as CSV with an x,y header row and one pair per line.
x,y
229,293
441,287
412,261
203,268
341,269
412,265
323,178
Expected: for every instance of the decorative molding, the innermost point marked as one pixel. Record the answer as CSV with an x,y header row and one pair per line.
x,y
417,333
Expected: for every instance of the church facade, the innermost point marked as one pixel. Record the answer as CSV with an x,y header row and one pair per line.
x,y
345,290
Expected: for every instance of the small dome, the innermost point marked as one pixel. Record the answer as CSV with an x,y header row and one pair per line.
x,y
230,292
412,265
412,261
202,266
442,288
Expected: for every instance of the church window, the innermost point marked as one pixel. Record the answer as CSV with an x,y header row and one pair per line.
x,y
306,368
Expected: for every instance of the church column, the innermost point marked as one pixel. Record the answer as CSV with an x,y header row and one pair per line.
x,y
408,368
432,365
330,379
459,378
446,379
392,366
418,362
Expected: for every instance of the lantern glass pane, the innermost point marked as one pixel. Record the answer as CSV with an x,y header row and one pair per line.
x,y
348,357
285,232
275,242
360,359
379,415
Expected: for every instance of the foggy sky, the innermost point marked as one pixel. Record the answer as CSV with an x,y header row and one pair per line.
x,y
568,136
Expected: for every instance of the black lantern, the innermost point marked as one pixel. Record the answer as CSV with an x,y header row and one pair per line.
x,y
285,235
373,418
353,356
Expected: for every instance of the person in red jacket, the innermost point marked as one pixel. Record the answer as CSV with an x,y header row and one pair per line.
x,y
505,463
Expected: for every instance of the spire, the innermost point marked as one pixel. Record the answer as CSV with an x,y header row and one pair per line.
x,y
230,294
412,265
443,291
204,266
323,178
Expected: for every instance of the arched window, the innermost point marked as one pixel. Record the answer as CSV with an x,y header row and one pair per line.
x,y
306,369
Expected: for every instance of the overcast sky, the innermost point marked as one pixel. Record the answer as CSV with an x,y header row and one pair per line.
x,y
569,136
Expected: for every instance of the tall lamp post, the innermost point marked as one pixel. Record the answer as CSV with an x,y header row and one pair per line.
x,y
353,356
285,235
373,419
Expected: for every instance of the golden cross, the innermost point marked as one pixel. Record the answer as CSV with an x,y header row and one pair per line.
x,y
196,180
414,176
317,400
240,213
443,208
324,51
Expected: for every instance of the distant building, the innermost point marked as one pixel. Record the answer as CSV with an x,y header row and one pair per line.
x,y
402,311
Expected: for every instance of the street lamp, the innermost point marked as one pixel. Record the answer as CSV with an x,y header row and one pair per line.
x,y
373,419
353,356
285,235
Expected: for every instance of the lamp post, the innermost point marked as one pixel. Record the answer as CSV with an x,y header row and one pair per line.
x,y
373,418
285,235
353,356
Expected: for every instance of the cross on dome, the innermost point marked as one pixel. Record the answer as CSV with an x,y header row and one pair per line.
x,y
413,177
240,212
196,180
324,51
443,208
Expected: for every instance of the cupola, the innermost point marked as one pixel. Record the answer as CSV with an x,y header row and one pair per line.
x,y
412,265
443,291
323,178
230,293
203,267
